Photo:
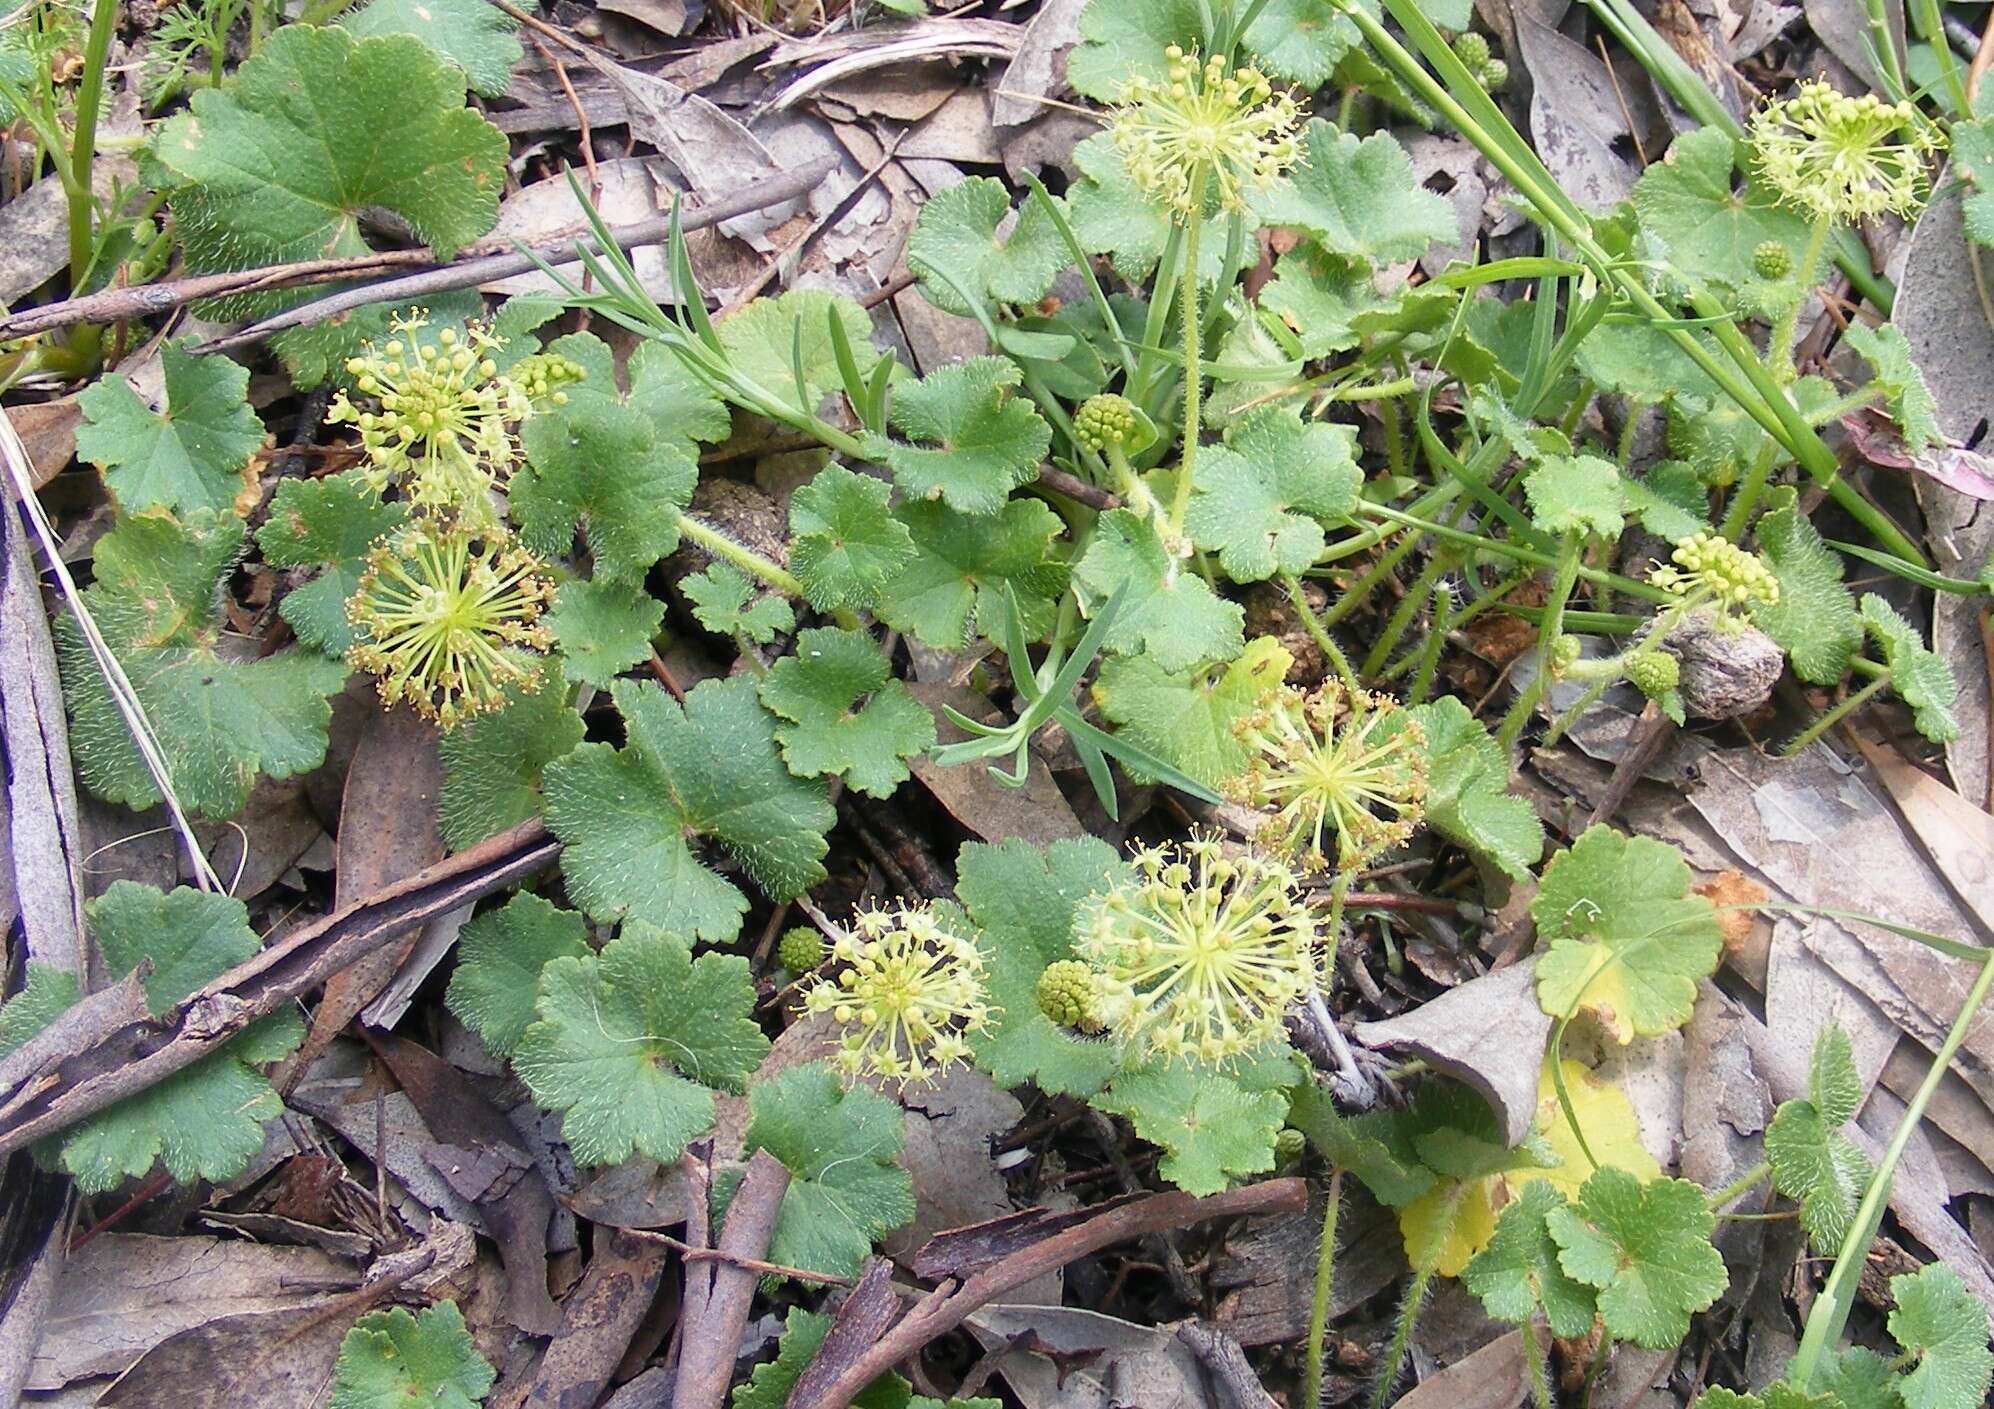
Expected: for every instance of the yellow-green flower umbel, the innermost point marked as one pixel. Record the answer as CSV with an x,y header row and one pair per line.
x,y
448,616
1840,157
906,994
1204,134
1707,568
1336,766
442,427
1202,954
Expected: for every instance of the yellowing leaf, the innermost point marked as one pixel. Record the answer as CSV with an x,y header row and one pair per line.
x,y
1612,1132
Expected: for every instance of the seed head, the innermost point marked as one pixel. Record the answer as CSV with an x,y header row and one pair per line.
x,y
1843,158
1070,994
1493,76
1341,764
1707,568
448,617
800,950
1204,134
441,429
1201,955
908,993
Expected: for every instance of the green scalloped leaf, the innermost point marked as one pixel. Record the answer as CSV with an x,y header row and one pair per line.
x,y
220,721
829,732
709,767
190,455
630,1044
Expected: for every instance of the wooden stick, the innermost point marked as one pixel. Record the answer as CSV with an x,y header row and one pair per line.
x,y
941,1311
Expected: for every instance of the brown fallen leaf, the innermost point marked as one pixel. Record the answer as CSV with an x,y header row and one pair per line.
x,y
388,831
1038,811
1494,1377
123,1293
1489,1032
482,1159
599,1319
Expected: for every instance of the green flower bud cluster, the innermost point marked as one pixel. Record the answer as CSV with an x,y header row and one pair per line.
x,y
1772,260
800,950
1473,50
1653,672
1070,994
543,375
1204,134
1564,654
1843,158
1707,568
1289,1147
1104,420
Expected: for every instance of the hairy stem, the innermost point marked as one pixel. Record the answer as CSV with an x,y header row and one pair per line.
x,y
746,559
1834,716
1325,1273
1831,1309
1311,624
1401,1337
1193,370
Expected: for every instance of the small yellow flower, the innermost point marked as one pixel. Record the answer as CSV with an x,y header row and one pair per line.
x,y
1204,134
1843,158
1202,954
1336,764
448,617
1707,568
907,994
442,427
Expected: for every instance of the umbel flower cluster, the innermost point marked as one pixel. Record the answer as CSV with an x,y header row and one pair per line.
x,y
1204,134
442,428
447,613
1201,955
1707,568
449,616
1337,767
906,994
1841,158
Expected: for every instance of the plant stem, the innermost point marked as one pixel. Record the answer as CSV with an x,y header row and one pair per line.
x,y
1746,382
1830,1310
1429,652
1834,716
1401,1336
1325,1272
1402,616
1533,1359
1647,592
1738,517
1193,374
1311,624
1548,632
746,559
89,102
1739,1185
